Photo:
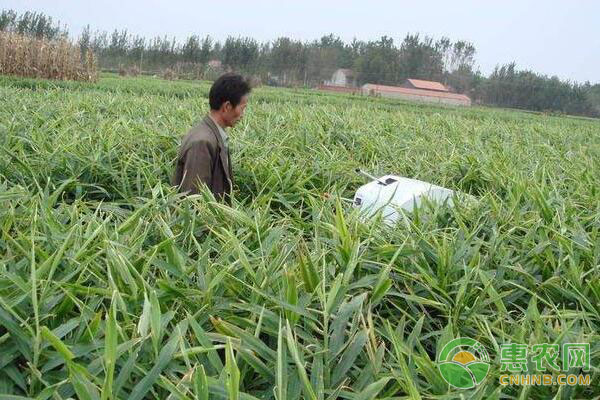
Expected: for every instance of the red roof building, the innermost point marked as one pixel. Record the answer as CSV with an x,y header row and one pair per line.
x,y
406,93
424,85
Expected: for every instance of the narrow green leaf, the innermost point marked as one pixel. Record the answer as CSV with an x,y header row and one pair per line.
x,y
79,377
306,386
291,295
57,344
144,322
233,373
333,293
317,379
346,311
203,339
348,357
308,270
155,320
164,358
382,286
371,391
110,351
200,384
282,370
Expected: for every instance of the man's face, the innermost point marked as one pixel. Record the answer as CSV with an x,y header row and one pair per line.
x,y
231,114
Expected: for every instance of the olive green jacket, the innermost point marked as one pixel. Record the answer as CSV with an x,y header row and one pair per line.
x,y
204,159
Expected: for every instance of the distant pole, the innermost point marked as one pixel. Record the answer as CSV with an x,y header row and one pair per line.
x,y
141,59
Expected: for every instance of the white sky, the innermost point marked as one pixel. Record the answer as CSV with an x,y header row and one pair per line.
x,y
552,37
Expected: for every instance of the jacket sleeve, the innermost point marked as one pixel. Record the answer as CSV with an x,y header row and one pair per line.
x,y
197,167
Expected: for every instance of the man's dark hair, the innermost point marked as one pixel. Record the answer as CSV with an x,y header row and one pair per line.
x,y
229,87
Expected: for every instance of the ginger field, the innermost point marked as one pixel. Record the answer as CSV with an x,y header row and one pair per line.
x,y
113,286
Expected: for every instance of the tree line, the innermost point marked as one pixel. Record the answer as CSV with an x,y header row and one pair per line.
x,y
288,62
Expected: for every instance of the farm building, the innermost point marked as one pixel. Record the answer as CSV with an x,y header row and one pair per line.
x,y
424,85
339,89
215,64
425,95
342,77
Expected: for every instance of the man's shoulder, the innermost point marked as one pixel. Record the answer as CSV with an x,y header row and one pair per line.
x,y
200,132
202,129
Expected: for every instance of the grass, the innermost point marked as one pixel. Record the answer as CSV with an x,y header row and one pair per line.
x,y
113,286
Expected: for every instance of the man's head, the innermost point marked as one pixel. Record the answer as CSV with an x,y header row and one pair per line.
x,y
228,97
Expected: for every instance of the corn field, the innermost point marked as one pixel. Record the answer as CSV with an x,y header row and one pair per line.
x,y
50,59
113,286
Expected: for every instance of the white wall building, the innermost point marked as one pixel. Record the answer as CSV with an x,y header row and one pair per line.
x,y
342,77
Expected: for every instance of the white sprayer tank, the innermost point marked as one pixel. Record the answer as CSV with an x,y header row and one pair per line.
x,y
390,193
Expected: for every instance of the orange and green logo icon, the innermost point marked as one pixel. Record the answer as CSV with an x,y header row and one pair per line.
x,y
464,363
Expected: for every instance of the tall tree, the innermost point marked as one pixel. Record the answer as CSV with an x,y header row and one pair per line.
x,y
378,62
191,49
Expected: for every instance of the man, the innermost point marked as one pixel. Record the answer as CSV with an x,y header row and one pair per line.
x,y
203,157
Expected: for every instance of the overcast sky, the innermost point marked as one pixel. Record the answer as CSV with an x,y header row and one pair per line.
x,y
552,37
